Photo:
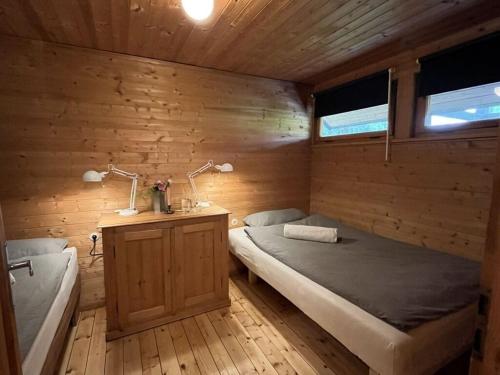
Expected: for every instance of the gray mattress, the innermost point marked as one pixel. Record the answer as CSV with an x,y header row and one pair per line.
x,y
33,296
402,284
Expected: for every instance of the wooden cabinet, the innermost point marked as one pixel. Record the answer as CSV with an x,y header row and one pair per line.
x,y
159,268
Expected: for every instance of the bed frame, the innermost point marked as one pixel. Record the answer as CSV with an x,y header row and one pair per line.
x,y
441,360
69,318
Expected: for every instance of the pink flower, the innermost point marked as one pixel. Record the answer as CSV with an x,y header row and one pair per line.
x,y
159,186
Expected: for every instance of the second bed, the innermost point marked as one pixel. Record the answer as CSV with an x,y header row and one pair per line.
x,y
384,348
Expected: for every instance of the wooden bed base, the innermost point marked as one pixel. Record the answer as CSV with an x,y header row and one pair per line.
x,y
69,317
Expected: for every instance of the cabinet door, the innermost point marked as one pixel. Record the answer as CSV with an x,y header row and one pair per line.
x,y
199,264
143,264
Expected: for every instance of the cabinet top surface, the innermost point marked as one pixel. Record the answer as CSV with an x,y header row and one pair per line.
x,y
115,220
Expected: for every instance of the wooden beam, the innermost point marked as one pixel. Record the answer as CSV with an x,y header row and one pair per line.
x,y
490,281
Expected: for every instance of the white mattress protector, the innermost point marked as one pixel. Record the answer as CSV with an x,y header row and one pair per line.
x,y
382,347
35,359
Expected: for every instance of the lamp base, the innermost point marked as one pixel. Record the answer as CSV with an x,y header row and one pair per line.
x,y
203,204
127,212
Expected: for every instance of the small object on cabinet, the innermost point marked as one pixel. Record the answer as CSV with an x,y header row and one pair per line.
x,y
169,197
158,190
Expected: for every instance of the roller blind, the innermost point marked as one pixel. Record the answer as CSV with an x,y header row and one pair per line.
x,y
363,93
471,64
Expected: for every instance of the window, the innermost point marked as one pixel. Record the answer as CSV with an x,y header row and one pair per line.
x,y
366,120
356,108
480,103
459,88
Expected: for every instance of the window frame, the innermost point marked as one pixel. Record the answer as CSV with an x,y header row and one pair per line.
x,y
347,137
366,136
421,104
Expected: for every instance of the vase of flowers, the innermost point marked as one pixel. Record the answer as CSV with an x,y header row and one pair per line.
x,y
158,189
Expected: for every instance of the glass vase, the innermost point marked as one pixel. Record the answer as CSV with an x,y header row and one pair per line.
x,y
157,199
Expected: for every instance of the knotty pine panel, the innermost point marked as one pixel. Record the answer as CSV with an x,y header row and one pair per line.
x,y
432,194
284,39
64,110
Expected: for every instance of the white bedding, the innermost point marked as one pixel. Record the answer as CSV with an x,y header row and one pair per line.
x,y
382,347
35,359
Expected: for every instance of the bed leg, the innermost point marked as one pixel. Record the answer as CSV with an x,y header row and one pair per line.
x,y
252,277
74,318
373,372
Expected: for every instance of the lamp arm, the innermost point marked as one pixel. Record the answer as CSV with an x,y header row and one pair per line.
x,y
192,175
202,169
112,168
193,187
133,176
133,193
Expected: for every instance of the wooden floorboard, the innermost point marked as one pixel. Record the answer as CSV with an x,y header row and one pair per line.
x,y
221,356
260,333
332,352
97,352
149,353
185,355
78,359
132,362
114,358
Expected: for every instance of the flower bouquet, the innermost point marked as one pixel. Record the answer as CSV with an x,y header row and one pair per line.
x,y
159,189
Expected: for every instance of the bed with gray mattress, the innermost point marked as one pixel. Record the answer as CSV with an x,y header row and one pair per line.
x,y
402,309
401,284
34,296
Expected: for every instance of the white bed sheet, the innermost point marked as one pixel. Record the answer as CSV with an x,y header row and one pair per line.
x,y
382,347
35,359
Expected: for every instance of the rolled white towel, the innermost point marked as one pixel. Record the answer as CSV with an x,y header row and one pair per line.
x,y
310,233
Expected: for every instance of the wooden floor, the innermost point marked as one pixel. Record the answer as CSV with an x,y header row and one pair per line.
x,y
260,333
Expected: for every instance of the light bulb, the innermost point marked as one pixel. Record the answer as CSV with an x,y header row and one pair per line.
x,y
198,9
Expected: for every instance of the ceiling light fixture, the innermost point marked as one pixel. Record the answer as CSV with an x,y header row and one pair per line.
x,y
497,91
198,10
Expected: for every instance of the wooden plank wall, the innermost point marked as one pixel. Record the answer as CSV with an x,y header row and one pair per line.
x,y
435,193
65,110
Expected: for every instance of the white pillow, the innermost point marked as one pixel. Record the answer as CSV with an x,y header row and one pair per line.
x,y
35,246
310,233
12,279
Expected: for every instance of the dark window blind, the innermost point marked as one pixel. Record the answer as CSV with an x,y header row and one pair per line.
x,y
363,93
471,64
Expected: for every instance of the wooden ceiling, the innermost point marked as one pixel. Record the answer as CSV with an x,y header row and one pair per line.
x,y
294,40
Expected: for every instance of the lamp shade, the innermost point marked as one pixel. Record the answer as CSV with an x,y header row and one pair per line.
x,y
226,167
92,176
